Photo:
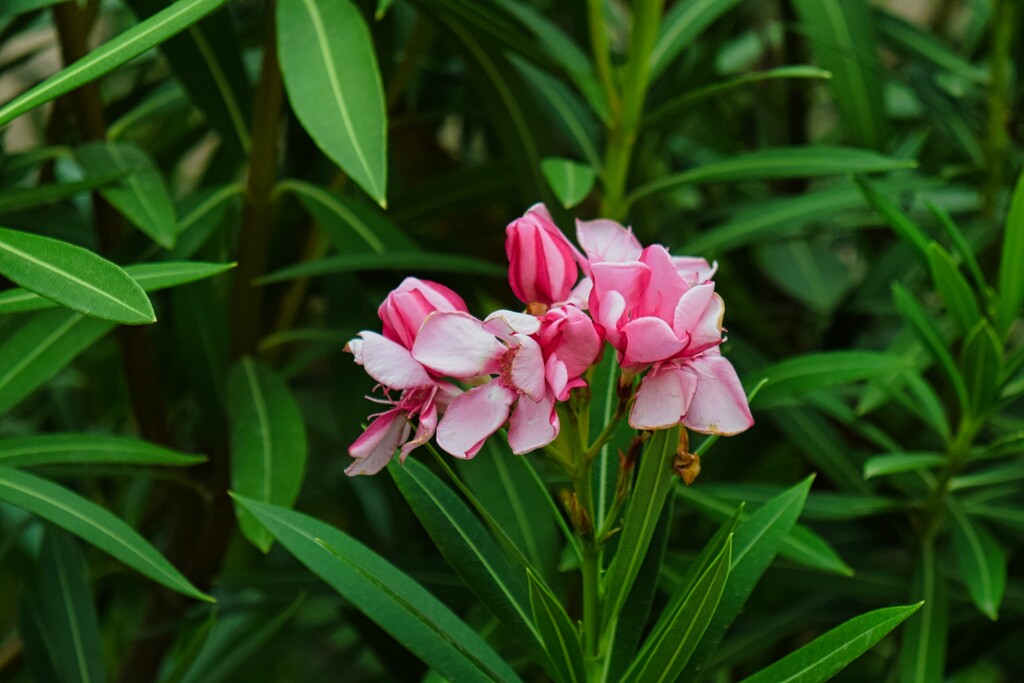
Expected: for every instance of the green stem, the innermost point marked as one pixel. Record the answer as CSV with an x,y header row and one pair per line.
x,y
959,451
602,53
998,106
627,118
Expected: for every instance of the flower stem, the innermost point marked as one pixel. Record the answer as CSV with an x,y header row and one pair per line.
x,y
626,124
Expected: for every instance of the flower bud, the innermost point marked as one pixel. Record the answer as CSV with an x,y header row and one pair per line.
x,y
407,306
542,262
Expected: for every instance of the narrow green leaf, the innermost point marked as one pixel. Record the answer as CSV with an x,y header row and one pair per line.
x,y
842,37
349,225
766,219
1000,474
800,545
912,40
1011,275
67,611
822,445
207,60
982,562
667,112
558,634
73,277
963,247
386,595
571,181
898,463
141,197
755,544
268,442
901,225
678,631
523,517
331,75
12,8
781,162
186,649
423,261
567,110
112,54
682,24
41,348
923,653
813,371
632,624
92,524
152,277
653,482
20,198
825,656
203,213
88,449
956,293
919,322
982,366
470,551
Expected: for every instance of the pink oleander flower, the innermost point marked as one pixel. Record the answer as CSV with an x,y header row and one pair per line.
x,y
661,312
500,354
409,304
388,360
571,344
542,261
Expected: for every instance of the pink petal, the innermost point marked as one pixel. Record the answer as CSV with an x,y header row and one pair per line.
x,y
375,447
424,431
606,240
472,417
457,345
533,424
649,340
355,347
391,364
557,377
512,321
690,308
527,371
580,294
666,286
694,269
719,406
708,332
662,399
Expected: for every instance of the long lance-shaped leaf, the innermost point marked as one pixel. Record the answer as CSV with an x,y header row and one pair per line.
x,y
112,54
923,653
842,36
829,654
470,550
66,610
679,631
956,293
905,228
755,544
92,524
425,261
152,277
142,196
17,199
784,162
399,605
330,71
1011,275
795,376
681,26
982,562
41,348
922,326
73,277
268,442
560,637
653,482
88,449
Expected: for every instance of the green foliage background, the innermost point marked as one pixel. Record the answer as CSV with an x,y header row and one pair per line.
x,y
263,173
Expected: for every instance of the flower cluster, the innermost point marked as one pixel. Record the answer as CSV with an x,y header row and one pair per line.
x,y
462,378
